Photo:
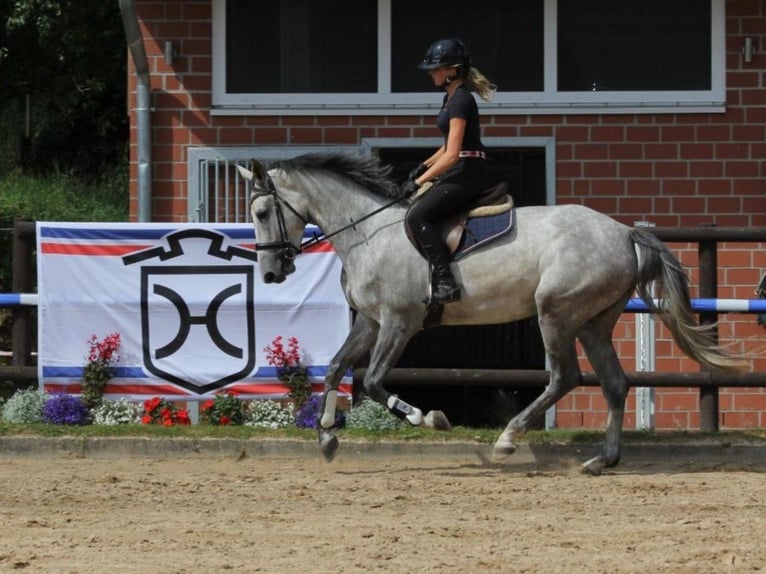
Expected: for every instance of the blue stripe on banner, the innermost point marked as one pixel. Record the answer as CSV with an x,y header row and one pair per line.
x,y
110,234
709,305
244,232
317,371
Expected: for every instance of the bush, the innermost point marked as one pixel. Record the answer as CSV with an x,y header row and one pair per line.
x,y
269,414
63,409
373,416
120,412
25,406
224,409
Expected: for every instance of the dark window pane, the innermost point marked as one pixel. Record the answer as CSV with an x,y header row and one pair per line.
x,y
653,45
505,40
301,46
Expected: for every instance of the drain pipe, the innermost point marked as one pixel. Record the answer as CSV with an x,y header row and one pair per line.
x,y
143,108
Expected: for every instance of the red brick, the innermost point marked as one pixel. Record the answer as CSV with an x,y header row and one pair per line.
x,y
732,151
599,169
670,169
607,134
697,151
740,420
642,134
705,169
305,135
677,133
571,133
592,151
661,151
569,420
635,169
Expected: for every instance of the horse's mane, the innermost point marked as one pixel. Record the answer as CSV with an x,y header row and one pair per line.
x,y
366,170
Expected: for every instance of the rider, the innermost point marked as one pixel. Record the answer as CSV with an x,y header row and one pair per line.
x,y
458,167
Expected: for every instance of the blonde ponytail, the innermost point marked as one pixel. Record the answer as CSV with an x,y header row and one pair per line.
x,y
479,84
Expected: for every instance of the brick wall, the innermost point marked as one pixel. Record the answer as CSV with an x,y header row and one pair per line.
x,y
672,169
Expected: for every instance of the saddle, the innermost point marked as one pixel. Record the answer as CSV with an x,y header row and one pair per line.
x,y
488,217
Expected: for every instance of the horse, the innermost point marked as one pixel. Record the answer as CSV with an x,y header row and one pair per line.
x,y
572,267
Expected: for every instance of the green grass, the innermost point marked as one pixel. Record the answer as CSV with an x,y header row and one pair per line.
x,y
60,197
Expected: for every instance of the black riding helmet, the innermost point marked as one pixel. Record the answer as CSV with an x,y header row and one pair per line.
x,y
446,53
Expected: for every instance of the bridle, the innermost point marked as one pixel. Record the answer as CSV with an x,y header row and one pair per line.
x,y
289,251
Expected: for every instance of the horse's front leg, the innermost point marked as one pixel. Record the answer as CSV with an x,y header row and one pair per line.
x,y
360,339
391,342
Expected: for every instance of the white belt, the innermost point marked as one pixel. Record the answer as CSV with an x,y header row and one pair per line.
x,y
480,154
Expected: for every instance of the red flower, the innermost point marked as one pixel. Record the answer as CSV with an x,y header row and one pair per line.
x,y
152,404
224,420
146,419
207,405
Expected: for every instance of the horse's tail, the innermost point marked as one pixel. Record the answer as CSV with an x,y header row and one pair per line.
x,y
657,264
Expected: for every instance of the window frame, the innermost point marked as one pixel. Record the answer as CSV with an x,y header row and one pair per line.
x,y
548,101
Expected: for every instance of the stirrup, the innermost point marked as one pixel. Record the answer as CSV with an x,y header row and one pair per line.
x,y
440,297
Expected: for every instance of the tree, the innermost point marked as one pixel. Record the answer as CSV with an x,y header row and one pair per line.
x,y
68,59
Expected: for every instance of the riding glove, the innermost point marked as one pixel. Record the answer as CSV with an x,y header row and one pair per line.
x,y
409,188
417,172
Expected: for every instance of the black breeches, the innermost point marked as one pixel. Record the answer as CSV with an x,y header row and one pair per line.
x,y
444,199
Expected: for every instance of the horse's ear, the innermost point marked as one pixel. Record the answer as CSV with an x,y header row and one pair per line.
x,y
258,169
256,172
245,173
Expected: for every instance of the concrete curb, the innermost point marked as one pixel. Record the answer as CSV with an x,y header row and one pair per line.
x,y
707,451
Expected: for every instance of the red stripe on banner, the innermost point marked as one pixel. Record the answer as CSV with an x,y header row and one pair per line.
x,y
275,389
151,390
76,249
321,247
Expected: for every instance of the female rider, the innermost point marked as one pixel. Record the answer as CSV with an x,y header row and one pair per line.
x,y
457,168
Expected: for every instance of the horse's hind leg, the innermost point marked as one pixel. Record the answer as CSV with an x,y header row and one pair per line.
x,y
596,339
565,375
360,339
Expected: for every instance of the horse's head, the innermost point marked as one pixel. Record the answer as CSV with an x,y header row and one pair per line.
x,y
278,222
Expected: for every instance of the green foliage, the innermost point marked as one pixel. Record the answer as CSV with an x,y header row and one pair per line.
x,y
373,416
25,406
224,409
67,60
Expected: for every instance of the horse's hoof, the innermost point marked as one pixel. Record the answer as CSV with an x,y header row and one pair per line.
x,y
500,452
593,467
437,420
504,446
328,443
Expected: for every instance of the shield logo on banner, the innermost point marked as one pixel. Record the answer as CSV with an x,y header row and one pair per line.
x,y
197,312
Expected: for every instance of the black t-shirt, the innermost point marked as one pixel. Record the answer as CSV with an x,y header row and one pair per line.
x,y
461,105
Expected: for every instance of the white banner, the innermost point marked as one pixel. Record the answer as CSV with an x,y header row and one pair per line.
x,y
189,305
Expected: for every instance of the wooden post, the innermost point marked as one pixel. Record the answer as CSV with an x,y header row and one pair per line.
x,y
22,282
708,267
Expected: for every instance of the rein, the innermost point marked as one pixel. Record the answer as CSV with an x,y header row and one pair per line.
x,y
290,251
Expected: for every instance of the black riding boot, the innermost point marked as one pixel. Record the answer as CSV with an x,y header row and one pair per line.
x,y
445,288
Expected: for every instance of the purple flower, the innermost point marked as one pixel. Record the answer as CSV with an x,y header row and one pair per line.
x,y
63,409
307,415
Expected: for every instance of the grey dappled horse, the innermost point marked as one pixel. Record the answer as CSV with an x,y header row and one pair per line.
x,y
571,266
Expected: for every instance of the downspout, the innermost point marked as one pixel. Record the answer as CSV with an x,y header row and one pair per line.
x,y
143,108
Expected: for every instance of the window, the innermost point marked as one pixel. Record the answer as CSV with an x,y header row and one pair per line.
x,y
546,56
633,45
